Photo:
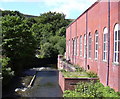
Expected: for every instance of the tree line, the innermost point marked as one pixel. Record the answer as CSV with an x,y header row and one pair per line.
x,y
25,38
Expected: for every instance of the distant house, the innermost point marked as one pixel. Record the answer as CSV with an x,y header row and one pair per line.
x,y
93,41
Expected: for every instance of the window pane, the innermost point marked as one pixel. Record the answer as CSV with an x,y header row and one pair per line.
x,y
96,38
118,46
104,55
115,57
115,46
105,37
90,41
89,54
115,35
96,54
96,47
118,57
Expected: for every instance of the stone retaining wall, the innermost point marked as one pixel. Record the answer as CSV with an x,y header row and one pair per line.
x,y
69,83
65,64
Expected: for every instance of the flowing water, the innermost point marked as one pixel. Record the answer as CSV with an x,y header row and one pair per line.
x,y
44,85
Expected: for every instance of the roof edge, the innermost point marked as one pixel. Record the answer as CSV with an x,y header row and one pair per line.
x,y
84,12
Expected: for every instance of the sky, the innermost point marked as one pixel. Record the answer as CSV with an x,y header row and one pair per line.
x,y
71,8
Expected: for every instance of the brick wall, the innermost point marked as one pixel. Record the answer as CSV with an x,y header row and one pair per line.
x,y
96,18
69,83
61,82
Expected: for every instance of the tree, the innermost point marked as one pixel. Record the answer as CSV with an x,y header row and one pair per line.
x,y
50,31
12,13
19,43
47,51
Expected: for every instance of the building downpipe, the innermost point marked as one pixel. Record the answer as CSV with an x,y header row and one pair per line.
x,y
107,83
86,40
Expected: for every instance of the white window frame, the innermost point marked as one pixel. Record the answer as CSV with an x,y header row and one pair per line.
x,y
116,44
89,45
69,47
96,45
81,45
105,34
85,46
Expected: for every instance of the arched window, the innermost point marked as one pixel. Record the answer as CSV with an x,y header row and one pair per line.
x,y
89,45
96,45
105,32
84,46
81,45
116,43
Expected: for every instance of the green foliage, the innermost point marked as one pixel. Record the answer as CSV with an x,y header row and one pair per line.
x,y
79,73
91,74
61,31
79,69
58,44
50,29
12,13
19,43
23,37
92,90
7,73
47,50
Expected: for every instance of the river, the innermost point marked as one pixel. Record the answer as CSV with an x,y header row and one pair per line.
x,y
44,85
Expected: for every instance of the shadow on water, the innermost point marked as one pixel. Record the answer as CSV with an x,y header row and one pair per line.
x,y
47,73
45,84
45,62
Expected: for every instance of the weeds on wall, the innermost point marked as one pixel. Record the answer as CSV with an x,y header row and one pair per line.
x,y
79,73
91,89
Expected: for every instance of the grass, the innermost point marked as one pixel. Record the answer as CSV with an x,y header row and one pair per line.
x,y
79,73
75,74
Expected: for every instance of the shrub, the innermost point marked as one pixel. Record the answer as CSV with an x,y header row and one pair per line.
x,y
91,89
79,69
7,73
91,74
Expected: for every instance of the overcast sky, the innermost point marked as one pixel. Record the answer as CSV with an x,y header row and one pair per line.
x,y
71,8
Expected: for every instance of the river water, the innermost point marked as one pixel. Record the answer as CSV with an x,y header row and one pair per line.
x,y
44,85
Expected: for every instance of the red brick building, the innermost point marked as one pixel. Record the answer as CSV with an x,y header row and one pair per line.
x,y
93,41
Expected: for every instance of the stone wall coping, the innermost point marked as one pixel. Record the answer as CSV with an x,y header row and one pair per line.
x,y
80,78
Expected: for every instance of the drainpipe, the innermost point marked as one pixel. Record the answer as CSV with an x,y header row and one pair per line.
x,y
108,43
70,46
86,40
76,43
